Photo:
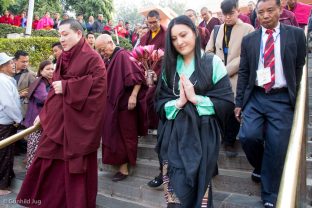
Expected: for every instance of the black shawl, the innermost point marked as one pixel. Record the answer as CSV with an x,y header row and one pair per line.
x,y
190,143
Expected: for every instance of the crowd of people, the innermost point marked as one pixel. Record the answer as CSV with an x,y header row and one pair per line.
x,y
231,76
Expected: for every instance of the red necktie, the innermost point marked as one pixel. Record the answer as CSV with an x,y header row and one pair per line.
x,y
269,59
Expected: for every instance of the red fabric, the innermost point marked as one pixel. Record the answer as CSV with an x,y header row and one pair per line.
x,y
134,38
204,36
121,31
108,28
244,18
302,12
17,21
126,142
122,126
35,24
6,20
49,184
159,42
72,121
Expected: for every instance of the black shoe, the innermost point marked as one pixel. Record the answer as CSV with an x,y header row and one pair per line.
x,y
268,205
156,182
256,177
119,177
230,151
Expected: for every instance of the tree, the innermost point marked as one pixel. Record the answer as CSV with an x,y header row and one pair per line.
x,y
4,5
129,13
90,7
41,6
177,6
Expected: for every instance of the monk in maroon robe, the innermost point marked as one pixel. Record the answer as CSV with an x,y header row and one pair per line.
x,y
203,31
208,20
125,117
155,36
64,171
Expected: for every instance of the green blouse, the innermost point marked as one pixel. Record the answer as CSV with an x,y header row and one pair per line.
x,y
204,105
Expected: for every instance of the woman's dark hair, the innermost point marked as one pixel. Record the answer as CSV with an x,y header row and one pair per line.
x,y
170,60
41,67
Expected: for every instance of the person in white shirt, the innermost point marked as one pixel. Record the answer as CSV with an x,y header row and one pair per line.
x,y
10,114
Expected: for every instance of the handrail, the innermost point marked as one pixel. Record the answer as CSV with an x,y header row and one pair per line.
x,y
20,135
294,177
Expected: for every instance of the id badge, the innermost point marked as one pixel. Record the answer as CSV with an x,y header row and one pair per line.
x,y
264,76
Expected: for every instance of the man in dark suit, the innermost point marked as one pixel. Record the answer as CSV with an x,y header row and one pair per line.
x,y
272,60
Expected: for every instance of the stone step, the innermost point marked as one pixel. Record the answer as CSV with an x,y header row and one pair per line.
x,y
9,201
133,193
228,180
108,201
240,162
135,189
151,140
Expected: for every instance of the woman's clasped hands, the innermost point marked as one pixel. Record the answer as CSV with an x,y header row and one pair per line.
x,y
187,92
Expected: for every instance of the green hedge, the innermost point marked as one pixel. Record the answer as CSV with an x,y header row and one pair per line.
x,y
39,48
7,29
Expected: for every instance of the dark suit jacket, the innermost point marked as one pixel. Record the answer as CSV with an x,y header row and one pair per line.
x,y
293,52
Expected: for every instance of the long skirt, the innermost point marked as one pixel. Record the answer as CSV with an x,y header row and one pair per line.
x,y
6,157
32,144
49,184
171,198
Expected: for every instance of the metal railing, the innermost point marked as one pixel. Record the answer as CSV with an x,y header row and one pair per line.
x,y
20,135
292,191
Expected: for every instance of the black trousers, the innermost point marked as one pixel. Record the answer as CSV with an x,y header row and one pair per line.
x,y
264,135
231,130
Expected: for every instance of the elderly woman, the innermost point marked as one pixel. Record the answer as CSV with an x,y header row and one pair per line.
x,y
38,92
10,114
193,100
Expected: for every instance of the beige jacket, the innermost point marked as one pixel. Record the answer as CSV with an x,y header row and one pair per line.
x,y
239,30
25,80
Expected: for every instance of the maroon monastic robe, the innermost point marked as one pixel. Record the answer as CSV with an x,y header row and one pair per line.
x,y
212,22
204,36
159,42
122,126
64,171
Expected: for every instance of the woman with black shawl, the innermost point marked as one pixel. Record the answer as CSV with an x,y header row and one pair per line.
x,y
194,98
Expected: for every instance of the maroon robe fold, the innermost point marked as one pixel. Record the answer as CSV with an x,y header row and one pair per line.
x,y
122,126
64,171
159,42
212,22
204,36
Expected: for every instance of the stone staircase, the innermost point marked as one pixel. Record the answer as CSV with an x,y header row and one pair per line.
x,y
232,188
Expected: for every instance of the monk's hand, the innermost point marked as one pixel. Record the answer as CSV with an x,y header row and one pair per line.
x,y
189,90
238,114
132,102
36,121
182,99
57,86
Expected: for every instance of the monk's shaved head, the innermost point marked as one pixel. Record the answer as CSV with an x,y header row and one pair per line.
x,y
103,37
105,45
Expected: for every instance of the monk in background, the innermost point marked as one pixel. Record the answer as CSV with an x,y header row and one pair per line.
x,y
155,36
125,117
64,170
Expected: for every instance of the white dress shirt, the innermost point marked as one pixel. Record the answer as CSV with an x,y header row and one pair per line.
x,y
280,80
10,106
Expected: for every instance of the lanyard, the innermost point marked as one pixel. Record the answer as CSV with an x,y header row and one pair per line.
x,y
262,49
226,41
